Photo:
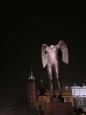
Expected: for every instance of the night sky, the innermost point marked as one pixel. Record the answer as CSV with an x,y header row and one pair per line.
x,y
21,38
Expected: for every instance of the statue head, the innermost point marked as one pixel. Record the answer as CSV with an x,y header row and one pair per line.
x,y
51,46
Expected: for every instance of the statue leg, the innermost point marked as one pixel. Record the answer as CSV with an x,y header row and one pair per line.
x,y
49,67
56,68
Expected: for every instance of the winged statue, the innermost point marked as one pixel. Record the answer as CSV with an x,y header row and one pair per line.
x,y
49,55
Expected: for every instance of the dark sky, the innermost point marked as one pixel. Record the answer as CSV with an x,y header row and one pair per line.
x,y
21,38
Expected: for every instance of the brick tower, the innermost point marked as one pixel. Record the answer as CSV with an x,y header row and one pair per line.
x,y
31,91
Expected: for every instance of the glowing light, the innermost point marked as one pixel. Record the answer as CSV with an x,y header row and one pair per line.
x,y
78,91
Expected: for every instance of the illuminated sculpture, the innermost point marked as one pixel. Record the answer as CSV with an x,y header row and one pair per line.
x,y
50,59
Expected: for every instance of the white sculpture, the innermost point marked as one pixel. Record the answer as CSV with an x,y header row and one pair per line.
x,y
50,59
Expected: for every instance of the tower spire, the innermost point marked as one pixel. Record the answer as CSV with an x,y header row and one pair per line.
x,y
31,77
31,91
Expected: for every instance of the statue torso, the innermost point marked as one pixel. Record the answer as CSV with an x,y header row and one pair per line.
x,y
52,54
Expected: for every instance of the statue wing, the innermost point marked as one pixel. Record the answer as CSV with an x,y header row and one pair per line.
x,y
44,55
64,49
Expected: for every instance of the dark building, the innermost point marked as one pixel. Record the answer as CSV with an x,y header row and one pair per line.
x,y
31,92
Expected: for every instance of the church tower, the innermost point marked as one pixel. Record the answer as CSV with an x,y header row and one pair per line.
x,y
31,91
